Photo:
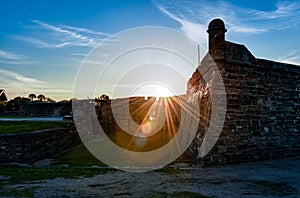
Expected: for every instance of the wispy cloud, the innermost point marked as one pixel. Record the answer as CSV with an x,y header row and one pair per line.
x,y
11,76
292,57
194,16
7,57
20,85
77,54
284,9
59,36
10,56
195,31
85,30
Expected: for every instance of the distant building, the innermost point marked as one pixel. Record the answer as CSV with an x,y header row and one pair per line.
x,y
3,96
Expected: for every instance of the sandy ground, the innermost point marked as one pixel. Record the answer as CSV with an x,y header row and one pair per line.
x,y
274,178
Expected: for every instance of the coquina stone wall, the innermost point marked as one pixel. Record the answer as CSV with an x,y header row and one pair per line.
x,y
33,146
263,104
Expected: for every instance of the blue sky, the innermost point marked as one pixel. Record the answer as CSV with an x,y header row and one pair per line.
x,y
42,43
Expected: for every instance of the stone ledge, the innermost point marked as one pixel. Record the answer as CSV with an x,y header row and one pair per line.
x,y
37,145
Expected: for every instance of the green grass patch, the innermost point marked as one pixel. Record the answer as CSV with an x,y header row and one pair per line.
x,y
19,175
13,127
78,156
79,162
15,116
274,188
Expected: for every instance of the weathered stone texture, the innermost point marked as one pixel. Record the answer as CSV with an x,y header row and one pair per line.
x,y
262,116
30,147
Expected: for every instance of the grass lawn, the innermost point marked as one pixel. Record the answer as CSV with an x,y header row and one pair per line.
x,y
12,127
79,162
14,116
23,175
78,156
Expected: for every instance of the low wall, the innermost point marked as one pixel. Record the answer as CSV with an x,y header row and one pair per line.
x,y
46,108
30,147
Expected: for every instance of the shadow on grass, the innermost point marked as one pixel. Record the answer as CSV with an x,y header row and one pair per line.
x,y
179,194
268,188
7,127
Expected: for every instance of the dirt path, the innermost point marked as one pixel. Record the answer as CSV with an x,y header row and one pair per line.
x,y
275,178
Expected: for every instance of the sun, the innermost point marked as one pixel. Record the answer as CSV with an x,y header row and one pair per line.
x,y
153,89
162,91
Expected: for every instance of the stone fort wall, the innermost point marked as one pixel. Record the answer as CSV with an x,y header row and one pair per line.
x,y
263,105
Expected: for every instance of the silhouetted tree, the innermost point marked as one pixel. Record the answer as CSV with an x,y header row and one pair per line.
x,y
20,99
32,96
66,101
49,99
2,106
104,97
41,97
14,104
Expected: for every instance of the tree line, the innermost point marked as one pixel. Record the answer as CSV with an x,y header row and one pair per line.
x,y
40,98
14,104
